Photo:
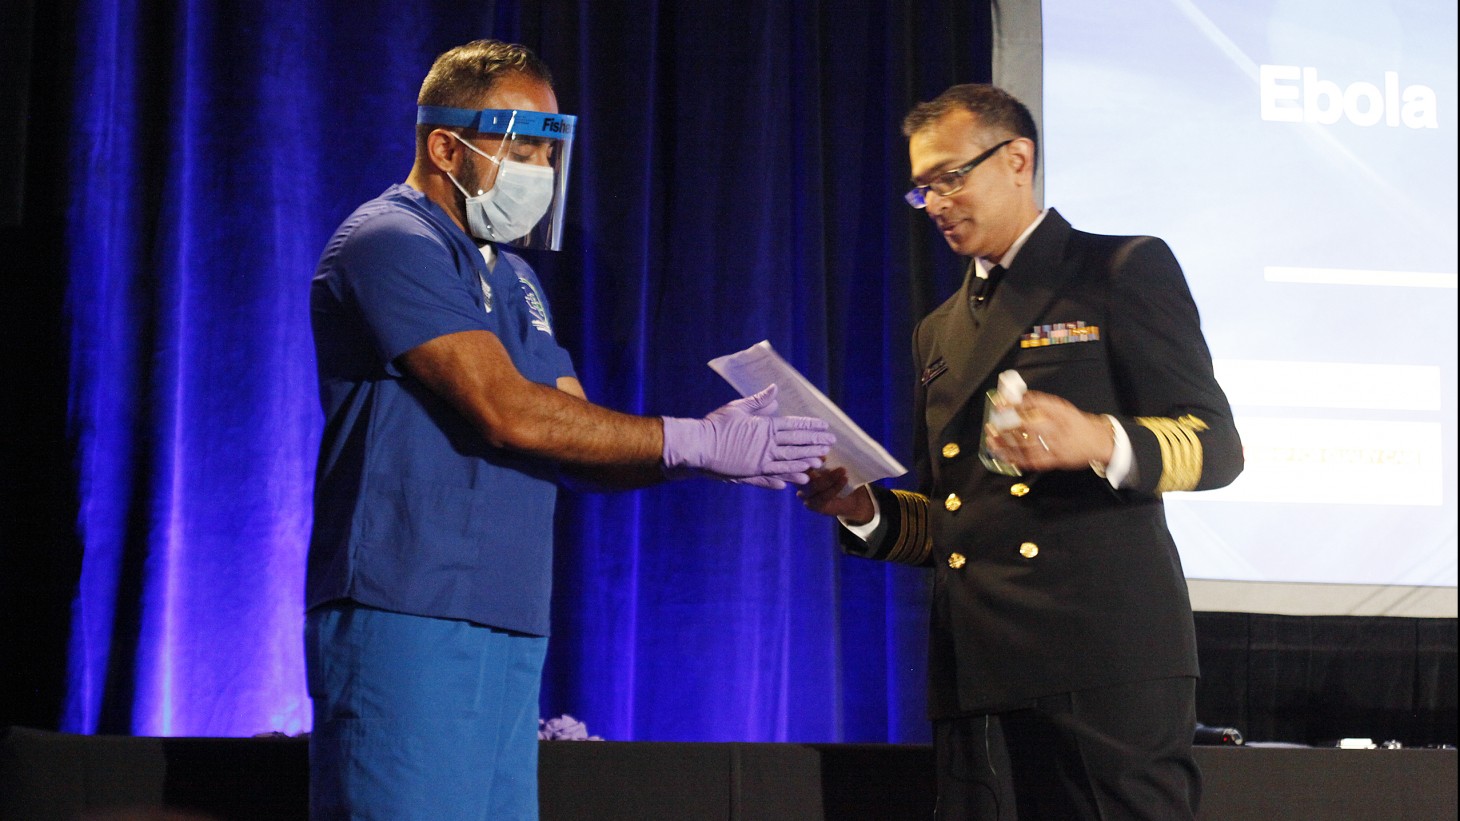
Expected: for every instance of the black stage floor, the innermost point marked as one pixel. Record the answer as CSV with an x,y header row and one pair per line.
x,y
46,775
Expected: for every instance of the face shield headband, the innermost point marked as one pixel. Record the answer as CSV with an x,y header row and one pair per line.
x,y
531,141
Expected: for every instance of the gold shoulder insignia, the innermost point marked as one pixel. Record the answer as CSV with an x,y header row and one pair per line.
x,y
914,538
1181,454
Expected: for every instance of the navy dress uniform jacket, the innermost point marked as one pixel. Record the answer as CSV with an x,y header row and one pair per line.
x,y
1056,582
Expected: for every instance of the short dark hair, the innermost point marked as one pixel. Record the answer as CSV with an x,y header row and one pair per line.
x,y
463,76
995,109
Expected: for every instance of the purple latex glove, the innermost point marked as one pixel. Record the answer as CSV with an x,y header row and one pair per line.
x,y
745,442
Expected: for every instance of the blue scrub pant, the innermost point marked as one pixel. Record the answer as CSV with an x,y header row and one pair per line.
x,y
420,718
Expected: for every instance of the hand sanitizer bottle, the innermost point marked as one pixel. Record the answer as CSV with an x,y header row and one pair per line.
x,y
1001,409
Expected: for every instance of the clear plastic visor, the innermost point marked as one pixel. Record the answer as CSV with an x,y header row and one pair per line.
x,y
538,141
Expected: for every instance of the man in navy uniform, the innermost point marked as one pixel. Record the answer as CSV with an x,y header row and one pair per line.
x,y
1062,652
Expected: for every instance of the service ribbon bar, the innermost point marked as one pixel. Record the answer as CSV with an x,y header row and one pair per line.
x,y
1059,333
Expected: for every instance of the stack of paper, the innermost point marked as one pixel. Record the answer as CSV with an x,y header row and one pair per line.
x,y
753,369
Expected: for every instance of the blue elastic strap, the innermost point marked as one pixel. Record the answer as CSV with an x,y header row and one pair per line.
x,y
499,121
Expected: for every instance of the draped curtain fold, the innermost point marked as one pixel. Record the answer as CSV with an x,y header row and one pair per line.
x,y
736,177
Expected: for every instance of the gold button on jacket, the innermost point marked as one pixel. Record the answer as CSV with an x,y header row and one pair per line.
x,y
953,502
1018,489
951,450
1029,550
956,560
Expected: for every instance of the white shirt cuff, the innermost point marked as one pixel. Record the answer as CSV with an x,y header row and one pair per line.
x,y
865,531
1122,458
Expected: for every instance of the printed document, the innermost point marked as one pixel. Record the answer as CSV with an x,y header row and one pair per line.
x,y
751,370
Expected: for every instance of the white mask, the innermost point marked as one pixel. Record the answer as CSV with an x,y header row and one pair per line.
x,y
515,204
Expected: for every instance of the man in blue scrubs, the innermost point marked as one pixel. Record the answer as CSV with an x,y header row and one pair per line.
x,y
449,410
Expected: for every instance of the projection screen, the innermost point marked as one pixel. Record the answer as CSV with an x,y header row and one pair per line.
x,y
1300,158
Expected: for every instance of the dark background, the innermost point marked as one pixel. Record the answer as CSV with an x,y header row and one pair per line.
x,y
40,555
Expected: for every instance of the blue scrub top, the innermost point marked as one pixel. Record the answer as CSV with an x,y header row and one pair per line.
x,y
413,510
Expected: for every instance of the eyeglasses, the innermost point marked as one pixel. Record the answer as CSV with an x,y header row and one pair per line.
x,y
948,182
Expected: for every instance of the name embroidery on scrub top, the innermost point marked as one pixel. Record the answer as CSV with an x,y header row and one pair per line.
x,y
534,305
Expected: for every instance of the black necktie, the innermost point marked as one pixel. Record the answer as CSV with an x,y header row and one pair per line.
x,y
984,289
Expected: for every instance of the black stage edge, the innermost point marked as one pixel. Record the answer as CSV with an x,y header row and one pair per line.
x,y
46,775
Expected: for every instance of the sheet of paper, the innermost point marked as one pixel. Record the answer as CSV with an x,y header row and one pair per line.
x,y
751,370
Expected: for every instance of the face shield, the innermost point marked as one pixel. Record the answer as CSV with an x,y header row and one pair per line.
x,y
523,164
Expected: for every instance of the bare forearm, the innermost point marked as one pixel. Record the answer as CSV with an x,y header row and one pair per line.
x,y
473,372
739,442
547,422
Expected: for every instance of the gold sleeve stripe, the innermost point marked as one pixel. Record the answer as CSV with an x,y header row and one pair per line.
x,y
914,538
1175,454
1181,455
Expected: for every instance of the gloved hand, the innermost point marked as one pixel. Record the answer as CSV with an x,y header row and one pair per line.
x,y
745,442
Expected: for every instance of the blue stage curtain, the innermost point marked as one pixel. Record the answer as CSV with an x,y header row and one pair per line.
x,y
737,177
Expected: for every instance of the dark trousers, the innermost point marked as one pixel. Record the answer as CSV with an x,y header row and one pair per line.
x,y
1120,752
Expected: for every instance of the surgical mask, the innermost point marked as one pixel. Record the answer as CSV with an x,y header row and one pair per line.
x,y
518,199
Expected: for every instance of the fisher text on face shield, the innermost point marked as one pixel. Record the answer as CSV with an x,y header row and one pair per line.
x,y
557,126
